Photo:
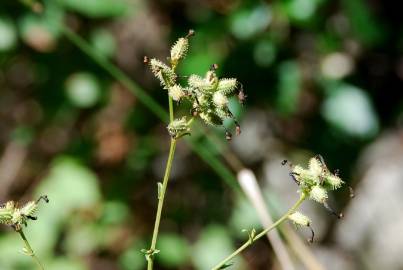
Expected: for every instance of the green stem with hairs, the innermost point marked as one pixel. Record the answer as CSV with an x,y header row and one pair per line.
x,y
162,191
264,232
29,251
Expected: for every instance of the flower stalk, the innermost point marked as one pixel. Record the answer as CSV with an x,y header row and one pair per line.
x,y
29,251
208,97
224,263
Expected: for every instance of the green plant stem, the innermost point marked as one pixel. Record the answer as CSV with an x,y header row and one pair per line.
x,y
161,197
261,234
30,251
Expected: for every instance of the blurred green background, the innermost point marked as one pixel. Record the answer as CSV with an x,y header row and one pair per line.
x,y
321,76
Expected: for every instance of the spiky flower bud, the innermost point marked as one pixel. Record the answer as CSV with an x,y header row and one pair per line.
x,y
29,208
195,81
176,92
212,81
6,213
12,215
220,99
227,86
315,167
333,181
318,194
299,219
179,50
164,73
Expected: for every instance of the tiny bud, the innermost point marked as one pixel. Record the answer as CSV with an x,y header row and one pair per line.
x,y
146,60
352,195
341,215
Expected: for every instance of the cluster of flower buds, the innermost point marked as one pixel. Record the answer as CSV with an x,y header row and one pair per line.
x,y
208,95
315,182
14,216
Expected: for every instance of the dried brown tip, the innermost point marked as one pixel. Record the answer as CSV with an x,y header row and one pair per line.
x,y
191,33
284,162
241,96
146,60
310,240
44,198
214,67
238,130
339,216
228,135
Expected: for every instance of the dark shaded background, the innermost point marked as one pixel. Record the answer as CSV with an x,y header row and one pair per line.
x,y
321,77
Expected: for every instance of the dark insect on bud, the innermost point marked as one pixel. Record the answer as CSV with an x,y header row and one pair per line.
x,y
228,135
214,67
190,33
284,162
146,60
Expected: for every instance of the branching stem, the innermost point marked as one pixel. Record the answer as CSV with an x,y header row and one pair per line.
x,y
261,234
161,195
29,251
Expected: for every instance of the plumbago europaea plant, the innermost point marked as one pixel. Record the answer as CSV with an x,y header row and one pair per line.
x,y
17,217
209,97
314,183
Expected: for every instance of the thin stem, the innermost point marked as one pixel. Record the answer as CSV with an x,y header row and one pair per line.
x,y
30,251
161,197
261,234
171,109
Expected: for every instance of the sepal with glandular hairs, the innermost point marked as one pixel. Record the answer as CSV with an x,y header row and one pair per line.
x,y
179,127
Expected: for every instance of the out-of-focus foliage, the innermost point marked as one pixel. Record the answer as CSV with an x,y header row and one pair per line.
x,y
320,77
